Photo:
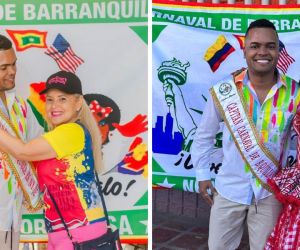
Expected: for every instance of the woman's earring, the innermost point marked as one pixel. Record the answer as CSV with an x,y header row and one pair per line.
x,y
78,110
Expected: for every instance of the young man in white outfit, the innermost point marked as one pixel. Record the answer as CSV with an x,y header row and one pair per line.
x,y
253,147
15,114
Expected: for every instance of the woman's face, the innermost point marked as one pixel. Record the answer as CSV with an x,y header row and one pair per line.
x,y
62,107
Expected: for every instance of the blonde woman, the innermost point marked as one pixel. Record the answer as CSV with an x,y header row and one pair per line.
x,y
66,158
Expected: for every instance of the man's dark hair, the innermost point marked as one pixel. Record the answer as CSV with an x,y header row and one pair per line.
x,y
5,43
261,23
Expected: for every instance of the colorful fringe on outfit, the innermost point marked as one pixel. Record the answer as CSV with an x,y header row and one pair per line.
x,y
286,186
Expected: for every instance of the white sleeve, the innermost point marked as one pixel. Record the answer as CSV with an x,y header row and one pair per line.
x,y
203,143
33,127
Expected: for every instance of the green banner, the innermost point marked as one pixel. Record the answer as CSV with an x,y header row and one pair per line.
x,y
227,20
108,42
71,11
131,224
183,35
177,182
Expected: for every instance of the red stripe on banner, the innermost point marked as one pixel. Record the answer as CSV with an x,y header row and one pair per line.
x,y
135,241
225,5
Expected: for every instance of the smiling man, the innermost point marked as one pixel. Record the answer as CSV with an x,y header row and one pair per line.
x,y
257,105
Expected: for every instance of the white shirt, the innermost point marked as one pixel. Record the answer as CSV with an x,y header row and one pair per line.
x,y
234,181
11,196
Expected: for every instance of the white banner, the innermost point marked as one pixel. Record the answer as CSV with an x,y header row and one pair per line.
x,y
108,42
194,47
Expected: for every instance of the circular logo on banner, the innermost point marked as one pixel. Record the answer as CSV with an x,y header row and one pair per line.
x,y
225,88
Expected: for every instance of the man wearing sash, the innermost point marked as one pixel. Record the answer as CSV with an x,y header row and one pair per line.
x,y
257,106
18,182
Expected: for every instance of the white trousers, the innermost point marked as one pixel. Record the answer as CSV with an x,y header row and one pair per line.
x,y
9,240
227,221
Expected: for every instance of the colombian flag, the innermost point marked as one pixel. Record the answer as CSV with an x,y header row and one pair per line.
x,y
24,39
218,52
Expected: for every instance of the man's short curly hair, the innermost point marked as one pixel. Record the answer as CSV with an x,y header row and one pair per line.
x,y
5,43
261,23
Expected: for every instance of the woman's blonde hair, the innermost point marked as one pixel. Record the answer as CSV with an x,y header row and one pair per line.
x,y
88,121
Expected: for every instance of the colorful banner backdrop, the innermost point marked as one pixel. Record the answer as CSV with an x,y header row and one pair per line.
x,y
105,44
195,46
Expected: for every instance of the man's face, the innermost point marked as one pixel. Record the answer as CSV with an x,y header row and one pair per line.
x,y
261,50
8,69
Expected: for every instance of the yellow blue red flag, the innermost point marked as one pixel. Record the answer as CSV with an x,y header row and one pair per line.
x,y
218,52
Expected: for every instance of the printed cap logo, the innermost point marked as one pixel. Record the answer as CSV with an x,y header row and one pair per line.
x,y
57,79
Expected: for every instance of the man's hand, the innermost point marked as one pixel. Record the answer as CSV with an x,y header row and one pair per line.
x,y
203,187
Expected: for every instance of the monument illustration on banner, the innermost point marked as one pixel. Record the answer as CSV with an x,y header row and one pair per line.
x,y
173,75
